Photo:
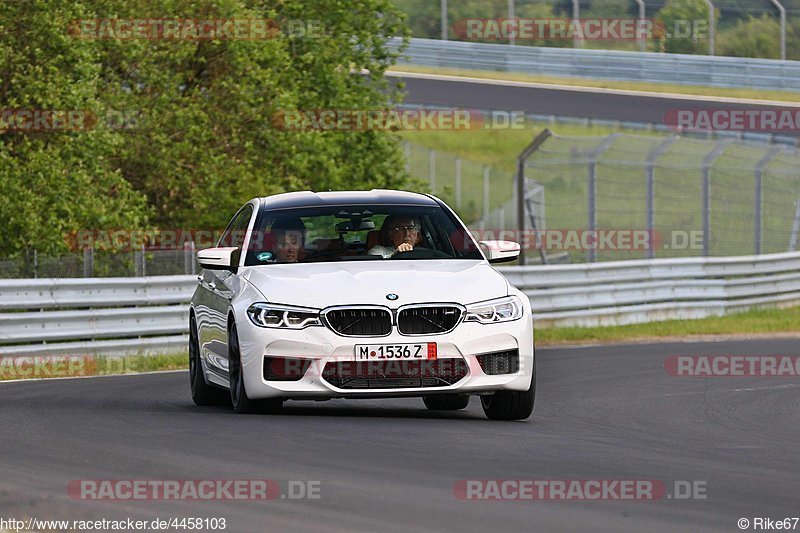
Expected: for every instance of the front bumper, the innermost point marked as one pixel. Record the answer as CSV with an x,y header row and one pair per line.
x,y
320,346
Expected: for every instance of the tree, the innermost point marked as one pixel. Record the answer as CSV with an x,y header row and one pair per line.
x,y
754,37
203,140
684,25
55,180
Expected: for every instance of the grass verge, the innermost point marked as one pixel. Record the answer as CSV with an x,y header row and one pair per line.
x,y
59,366
757,322
697,90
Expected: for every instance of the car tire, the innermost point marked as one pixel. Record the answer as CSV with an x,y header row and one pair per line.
x,y
241,402
446,402
202,393
511,405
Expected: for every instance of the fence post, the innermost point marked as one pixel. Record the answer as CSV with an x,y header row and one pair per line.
x,y
520,181
407,152
35,264
88,262
144,262
443,8
193,252
187,258
640,29
485,193
758,217
137,263
512,16
711,29
592,191
432,169
458,182
576,14
708,161
651,192
782,11
795,227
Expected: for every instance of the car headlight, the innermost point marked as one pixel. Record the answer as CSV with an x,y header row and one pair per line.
x,y
282,316
492,311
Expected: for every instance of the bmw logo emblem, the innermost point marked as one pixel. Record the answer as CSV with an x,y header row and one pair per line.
x,y
392,296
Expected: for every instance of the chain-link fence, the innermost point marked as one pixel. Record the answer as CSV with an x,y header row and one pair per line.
x,y
693,197
93,263
473,189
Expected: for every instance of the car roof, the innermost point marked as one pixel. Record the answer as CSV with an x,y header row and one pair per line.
x,y
319,199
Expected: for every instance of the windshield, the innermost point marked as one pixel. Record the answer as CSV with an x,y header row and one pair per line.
x,y
357,233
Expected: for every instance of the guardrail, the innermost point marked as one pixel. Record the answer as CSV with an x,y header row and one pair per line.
x,y
628,292
95,315
150,315
652,67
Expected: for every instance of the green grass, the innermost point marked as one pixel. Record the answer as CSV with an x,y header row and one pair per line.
x,y
753,322
781,96
77,366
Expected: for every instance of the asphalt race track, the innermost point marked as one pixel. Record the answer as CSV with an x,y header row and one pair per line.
x,y
602,413
554,101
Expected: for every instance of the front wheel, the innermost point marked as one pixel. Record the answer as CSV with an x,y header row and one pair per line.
x,y
511,405
241,402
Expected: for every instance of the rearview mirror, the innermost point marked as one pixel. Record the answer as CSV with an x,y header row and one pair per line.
x,y
500,251
219,258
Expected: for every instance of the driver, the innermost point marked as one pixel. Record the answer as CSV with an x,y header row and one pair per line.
x,y
399,233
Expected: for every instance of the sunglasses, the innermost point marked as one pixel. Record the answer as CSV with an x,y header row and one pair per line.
x,y
412,227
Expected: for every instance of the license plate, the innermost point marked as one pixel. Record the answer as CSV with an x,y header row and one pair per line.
x,y
407,352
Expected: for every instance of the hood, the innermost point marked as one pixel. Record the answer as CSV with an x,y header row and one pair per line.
x,y
368,282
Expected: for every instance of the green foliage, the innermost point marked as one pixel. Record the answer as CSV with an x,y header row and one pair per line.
x,y
424,16
54,182
685,27
203,139
754,37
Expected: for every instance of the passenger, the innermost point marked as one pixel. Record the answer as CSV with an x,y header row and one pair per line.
x,y
289,236
398,233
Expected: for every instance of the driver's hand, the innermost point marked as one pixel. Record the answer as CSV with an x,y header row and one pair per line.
x,y
405,247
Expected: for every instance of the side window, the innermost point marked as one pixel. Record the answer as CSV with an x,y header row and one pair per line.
x,y
237,228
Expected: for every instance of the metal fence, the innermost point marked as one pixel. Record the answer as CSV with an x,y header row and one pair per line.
x,y
695,197
683,69
151,315
94,263
480,193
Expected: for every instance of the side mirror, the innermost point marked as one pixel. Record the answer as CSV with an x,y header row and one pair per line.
x,y
500,251
219,258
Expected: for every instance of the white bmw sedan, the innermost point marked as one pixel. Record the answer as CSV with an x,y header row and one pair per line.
x,y
378,294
